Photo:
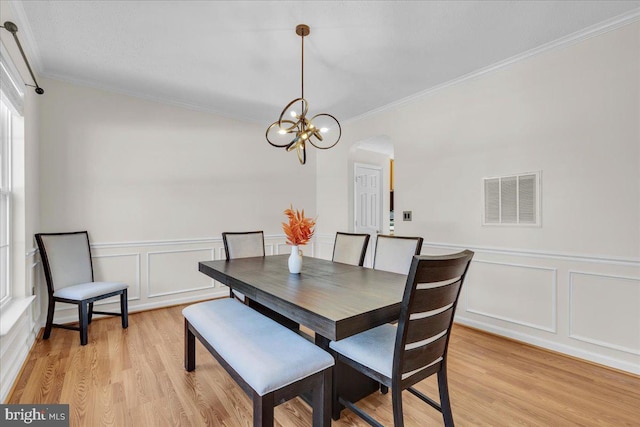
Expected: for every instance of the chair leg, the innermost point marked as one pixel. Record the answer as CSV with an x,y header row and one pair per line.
x,y
321,399
263,410
396,399
189,348
49,324
90,311
83,314
445,403
124,309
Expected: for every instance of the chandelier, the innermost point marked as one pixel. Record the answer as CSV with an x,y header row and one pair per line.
x,y
293,130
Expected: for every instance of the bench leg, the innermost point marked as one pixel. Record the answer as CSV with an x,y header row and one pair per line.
x,y
189,348
263,410
321,400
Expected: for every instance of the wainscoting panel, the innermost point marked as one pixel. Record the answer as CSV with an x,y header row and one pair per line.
x,y
176,271
599,305
514,293
587,307
118,267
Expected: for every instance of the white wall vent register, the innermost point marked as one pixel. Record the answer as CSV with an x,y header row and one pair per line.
x,y
512,200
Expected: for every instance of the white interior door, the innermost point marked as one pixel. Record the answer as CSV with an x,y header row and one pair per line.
x,y
368,203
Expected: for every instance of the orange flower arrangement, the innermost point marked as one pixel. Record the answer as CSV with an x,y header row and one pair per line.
x,y
300,229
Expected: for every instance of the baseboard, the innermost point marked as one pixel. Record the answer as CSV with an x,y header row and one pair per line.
x,y
587,356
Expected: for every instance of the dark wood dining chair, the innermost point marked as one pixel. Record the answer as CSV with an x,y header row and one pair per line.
x,y
394,253
350,248
244,244
68,270
402,356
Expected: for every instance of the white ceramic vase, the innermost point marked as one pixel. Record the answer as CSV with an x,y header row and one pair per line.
x,y
295,260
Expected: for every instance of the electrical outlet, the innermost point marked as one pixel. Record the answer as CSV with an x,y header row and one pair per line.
x,y
406,215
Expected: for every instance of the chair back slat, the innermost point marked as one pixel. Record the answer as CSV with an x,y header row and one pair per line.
x,y
243,244
66,259
432,299
424,328
350,248
428,307
439,271
425,355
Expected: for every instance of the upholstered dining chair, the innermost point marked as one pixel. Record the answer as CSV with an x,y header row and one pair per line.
x,y
402,356
394,253
350,248
68,270
242,244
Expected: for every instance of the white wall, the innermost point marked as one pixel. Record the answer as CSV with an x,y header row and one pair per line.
x,y
156,185
571,112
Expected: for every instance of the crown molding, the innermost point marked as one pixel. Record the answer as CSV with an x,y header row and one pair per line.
x,y
571,39
26,34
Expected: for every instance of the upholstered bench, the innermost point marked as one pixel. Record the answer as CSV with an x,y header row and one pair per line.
x,y
271,363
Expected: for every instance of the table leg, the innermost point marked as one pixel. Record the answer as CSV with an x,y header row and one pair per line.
x,y
347,382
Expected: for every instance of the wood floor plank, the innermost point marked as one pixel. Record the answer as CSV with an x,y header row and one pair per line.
x,y
135,377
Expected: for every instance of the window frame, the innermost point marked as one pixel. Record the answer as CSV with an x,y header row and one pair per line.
x,y
5,193
12,99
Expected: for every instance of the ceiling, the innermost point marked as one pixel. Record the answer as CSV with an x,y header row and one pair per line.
x,y
242,58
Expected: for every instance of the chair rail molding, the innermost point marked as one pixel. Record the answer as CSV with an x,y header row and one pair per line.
x,y
161,273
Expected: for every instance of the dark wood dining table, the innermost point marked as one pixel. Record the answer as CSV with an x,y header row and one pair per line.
x,y
333,300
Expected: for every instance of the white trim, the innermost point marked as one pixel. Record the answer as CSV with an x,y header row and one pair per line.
x,y
571,39
168,242
591,340
26,33
7,142
599,259
624,365
13,92
554,299
20,346
12,311
150,295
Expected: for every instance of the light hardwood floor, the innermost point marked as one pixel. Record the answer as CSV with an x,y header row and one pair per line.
x,y
136,378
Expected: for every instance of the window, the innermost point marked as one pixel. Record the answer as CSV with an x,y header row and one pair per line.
x,y
5,200
11,99
512,200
